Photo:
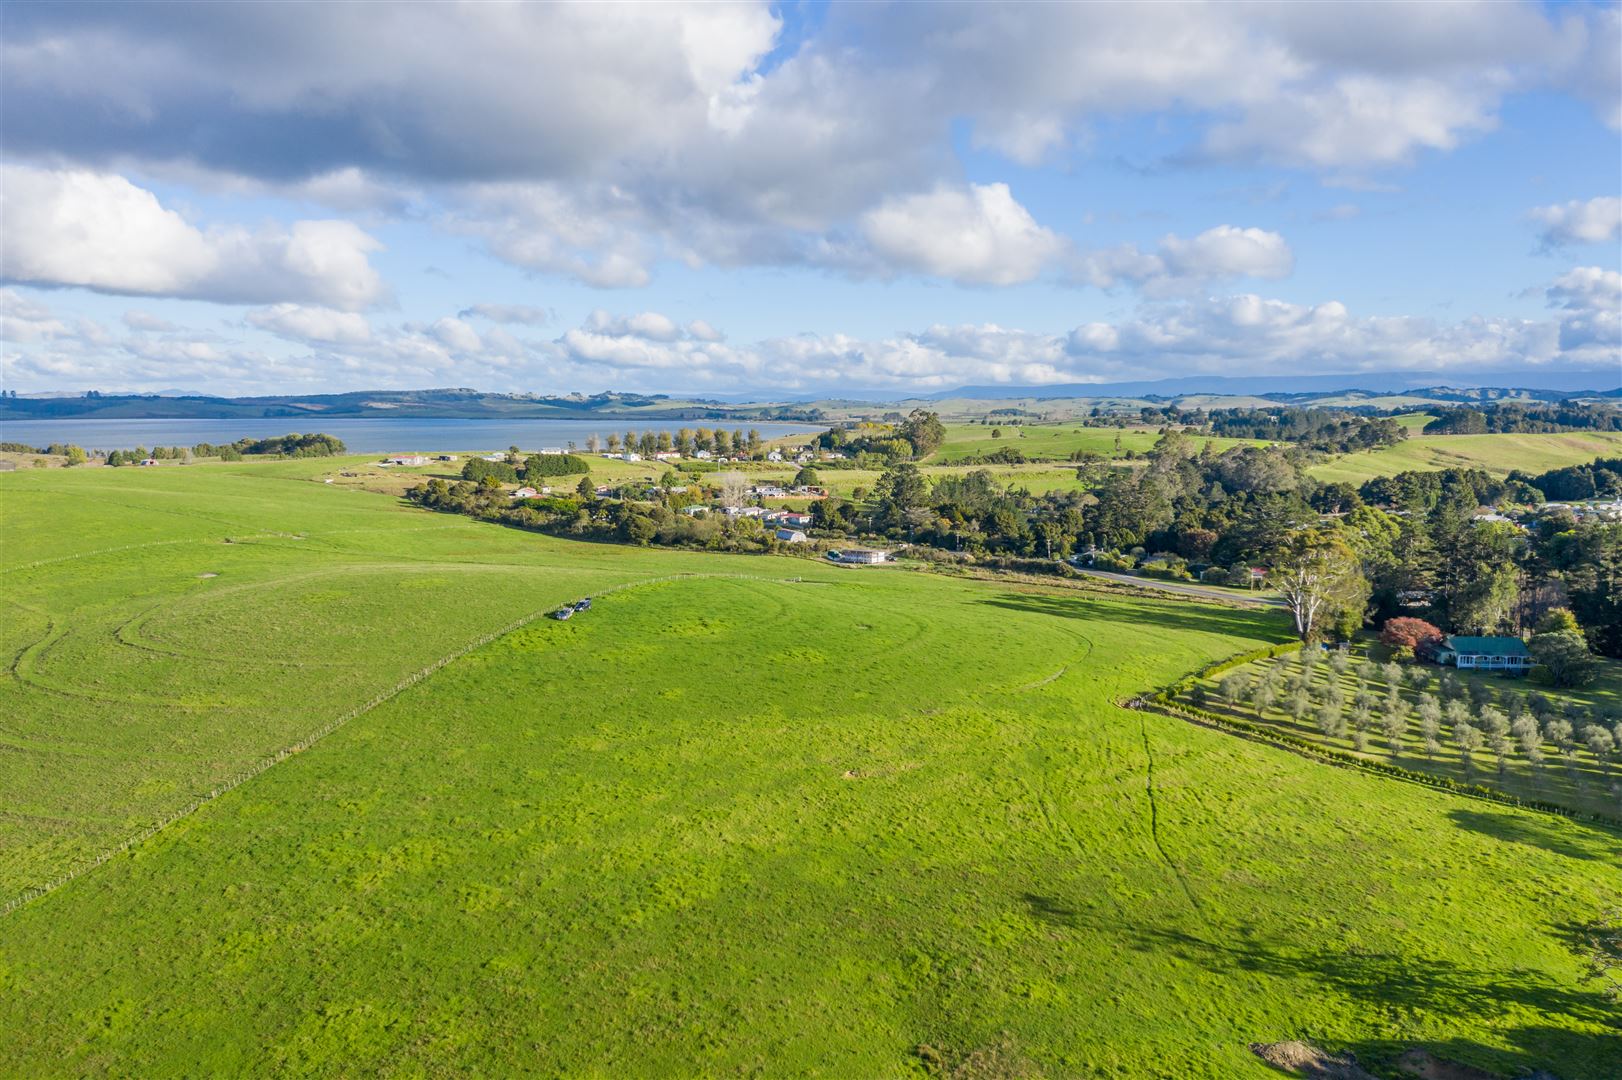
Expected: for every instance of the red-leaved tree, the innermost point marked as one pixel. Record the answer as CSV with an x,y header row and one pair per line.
x,y
1407,633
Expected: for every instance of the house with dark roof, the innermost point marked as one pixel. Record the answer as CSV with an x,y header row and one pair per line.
x,y
1506,655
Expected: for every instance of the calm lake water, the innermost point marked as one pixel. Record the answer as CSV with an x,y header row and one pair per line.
x,y
362,436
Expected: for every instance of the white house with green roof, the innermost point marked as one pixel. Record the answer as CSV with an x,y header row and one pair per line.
x,y
1508,655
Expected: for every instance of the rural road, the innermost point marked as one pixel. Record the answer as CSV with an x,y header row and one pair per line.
x,y
1183,588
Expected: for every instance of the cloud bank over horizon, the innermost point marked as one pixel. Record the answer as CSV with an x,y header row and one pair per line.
x,y
750,198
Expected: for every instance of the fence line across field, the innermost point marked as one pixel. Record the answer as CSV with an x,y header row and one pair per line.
x,y
35,892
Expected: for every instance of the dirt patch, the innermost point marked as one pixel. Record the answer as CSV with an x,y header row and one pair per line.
x,y
1427,1066
1304,1059
999,1061
207,575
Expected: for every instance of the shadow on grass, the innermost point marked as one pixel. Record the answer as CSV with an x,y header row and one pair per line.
x,y
1577,840
1049,910
1416,984
1173,615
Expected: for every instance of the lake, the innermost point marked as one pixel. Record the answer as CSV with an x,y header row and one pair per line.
x,y
361,435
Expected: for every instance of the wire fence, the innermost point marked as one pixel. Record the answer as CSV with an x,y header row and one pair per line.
x,y
258,768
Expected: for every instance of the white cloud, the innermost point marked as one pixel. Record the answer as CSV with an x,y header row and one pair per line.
x,y
1590,298
297,322
144,320
979,235
1580,221
1219,253
507,313
101,232
457,335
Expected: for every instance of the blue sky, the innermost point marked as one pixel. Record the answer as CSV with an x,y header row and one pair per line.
x,y
755,199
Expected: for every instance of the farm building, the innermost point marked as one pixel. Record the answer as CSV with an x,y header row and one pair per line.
x,y
525,493
791,536
1505,654
860,556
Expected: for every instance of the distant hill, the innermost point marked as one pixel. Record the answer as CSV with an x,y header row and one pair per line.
x,y
458,403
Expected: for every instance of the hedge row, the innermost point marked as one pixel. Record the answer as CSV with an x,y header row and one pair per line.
x,y
1165,701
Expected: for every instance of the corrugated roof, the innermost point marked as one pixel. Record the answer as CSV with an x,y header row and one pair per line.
x,y
1488,646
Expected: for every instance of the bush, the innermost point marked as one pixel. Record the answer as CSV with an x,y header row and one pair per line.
x,y
477,469
539,465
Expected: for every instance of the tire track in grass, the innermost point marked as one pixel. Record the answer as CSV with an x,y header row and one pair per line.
x,y
265,764
1154,819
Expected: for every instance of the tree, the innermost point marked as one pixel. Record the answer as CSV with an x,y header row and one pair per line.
x,y
593,443
1233,687
1321,582
585,488
734,488
900,489
1469,742
76,455
807,477
1408,633
1564,655
923,429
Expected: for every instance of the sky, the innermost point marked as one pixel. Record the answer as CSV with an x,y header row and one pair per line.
x,y
795,199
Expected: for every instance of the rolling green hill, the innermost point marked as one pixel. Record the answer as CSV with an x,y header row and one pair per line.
x,y
746,815
1498,454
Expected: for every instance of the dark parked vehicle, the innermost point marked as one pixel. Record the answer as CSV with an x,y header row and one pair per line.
x,y
583,605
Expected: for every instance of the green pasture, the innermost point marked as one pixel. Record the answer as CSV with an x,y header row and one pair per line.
x,y
1055,441
1497,454
770,817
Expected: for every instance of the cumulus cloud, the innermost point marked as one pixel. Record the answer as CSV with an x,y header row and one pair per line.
x,y
979,235
296,322
1590,300
593,140
1580,221
101,232
1219,253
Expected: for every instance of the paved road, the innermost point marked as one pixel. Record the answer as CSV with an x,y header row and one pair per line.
x,y
1185,588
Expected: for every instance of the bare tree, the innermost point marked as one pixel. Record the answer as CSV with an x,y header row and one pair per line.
x,y
734,488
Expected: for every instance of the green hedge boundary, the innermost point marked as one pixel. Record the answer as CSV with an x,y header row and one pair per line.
x,y
1165,703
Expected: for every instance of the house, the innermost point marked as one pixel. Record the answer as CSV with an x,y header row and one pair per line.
x,y
694,511
149,461
791,536
525,493
1504,654
667,455
797,519
446,457
774,455
495,457
630,456
772,517
400,459
702,455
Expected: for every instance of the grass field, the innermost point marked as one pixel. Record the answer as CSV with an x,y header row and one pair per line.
x,y
1498,454
735,823
1054,441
